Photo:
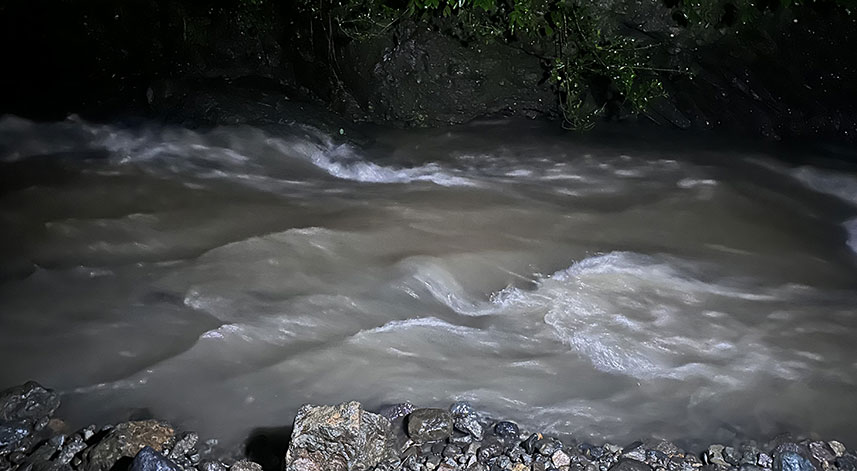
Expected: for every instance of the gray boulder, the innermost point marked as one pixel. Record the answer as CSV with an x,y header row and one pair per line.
x,y
150,460
125,441
27,403
396,411
11,433
415,76
246,465
792,461
337,438
429,425
626,464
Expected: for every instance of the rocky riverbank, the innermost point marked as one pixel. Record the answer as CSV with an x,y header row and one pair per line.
x,y
347,437
780,76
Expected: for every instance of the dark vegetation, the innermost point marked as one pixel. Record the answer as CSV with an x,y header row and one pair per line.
x,y
687,63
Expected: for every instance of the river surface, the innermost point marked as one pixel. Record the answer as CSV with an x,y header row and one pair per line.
x,y
603,288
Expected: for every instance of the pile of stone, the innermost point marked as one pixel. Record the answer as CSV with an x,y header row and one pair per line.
x,y
400,437
404,438
32,440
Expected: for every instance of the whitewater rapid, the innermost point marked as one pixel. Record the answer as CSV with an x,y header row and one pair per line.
x,y
220,278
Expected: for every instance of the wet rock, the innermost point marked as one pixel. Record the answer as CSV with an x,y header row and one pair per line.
x,y
461,438
506,430
337,438
87,433
42,424
838,448
472,449
591,451
749,454
611,448
548,446
17,457
211,465
632,446
559,459
246,465
731,455
630,465
691,462
792,461
410,463
470,425
27,403
428,425
415,76
451,451
47,450
714,455
125,441
515,453
12,433
847,462
489,450
425,448
396,411
635,451
462,409
822,452
655,457
148,459
184,445
433,460
74,446
529,445
49,466
663,446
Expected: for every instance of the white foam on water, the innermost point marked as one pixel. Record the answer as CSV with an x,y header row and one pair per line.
x,y
26,139
420,322
637,315
376,293
342,161
643,317
688,183
838,184
220,153
851,229
443,286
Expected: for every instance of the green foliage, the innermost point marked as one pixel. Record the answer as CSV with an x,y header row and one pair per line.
x,y
590,63
588,52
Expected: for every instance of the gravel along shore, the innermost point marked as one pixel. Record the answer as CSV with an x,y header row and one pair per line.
x,y
345,437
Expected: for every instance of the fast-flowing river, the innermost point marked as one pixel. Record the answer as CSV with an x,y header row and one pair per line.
x,y
605,288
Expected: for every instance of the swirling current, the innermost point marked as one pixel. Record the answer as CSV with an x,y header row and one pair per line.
x,y
220,278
